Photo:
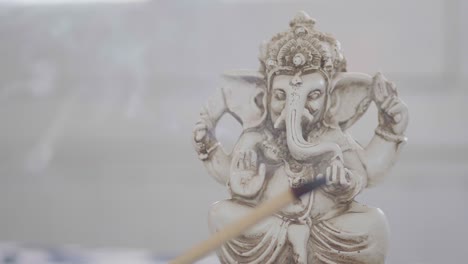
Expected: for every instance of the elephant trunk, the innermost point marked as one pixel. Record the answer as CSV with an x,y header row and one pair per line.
x,y
299,148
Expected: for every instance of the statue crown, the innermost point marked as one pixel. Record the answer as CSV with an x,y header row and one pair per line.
x,y
300,49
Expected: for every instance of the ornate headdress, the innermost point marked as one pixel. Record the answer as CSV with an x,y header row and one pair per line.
x,y
301,49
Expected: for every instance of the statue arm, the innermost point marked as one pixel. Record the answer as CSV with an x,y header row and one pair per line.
x,y
354,174
238,97
382,151
218,163
380,156
208,148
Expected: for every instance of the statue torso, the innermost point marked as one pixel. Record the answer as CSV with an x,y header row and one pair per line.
x,y
281,175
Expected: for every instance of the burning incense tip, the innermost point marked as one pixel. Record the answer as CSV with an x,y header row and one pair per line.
x,y
308,187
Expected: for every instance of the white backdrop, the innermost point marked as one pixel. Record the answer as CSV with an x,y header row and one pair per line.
x,y
98,100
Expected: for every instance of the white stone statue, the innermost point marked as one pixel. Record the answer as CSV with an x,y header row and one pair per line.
x,y
295,112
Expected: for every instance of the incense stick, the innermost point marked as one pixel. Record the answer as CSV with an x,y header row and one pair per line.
x,y
236,228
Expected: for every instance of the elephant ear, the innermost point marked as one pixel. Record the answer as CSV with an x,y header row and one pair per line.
x,y
245,97
350,98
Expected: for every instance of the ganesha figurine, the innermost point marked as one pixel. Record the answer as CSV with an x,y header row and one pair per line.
x,y
295,113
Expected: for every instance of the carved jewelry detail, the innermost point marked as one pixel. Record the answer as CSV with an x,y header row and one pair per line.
x,y
302,48
205,155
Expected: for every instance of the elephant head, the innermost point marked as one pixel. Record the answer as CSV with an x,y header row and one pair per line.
x,y
302,85
297,104
302,104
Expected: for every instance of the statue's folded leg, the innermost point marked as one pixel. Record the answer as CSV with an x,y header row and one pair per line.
x,y
359,235
225,212
298,236
262,243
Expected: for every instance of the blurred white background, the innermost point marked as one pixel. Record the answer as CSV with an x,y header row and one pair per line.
x,y
98,100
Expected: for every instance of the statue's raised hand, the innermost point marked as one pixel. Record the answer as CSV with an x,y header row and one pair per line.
x,y
203,138
393,113
337,176
247,175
